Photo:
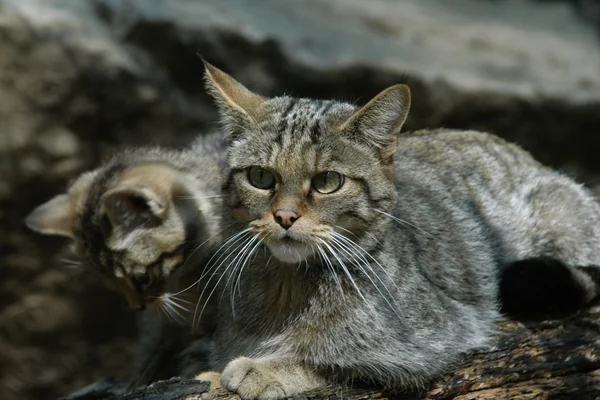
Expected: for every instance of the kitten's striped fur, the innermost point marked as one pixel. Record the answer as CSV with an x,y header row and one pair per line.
x,y
397,273
147,220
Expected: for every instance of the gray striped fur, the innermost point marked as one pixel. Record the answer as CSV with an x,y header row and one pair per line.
x,y
427,232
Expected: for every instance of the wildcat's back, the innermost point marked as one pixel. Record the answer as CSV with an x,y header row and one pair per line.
x,y
540,221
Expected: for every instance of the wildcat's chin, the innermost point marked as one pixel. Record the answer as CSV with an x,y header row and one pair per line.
x,y
289,250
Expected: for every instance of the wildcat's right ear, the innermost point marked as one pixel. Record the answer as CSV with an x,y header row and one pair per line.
x,y
237,105
378,122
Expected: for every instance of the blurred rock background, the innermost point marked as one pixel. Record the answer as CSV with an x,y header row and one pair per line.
x,y
81,78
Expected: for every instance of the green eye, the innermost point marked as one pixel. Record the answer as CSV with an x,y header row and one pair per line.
x,y
327,182
261,178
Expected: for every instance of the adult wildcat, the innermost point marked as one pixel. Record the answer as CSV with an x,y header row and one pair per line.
x,y
148,220
360,253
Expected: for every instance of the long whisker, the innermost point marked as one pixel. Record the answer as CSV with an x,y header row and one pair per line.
x,y
330,267
244,244
237,235
345,269
401,221
237,260
245,262
203,243
353,253
179,318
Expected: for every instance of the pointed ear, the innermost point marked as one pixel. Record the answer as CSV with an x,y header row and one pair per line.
x,y
378,123
131,207
237,104
55,217
142,196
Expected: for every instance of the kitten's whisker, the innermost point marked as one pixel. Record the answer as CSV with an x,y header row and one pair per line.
x,y
174,303
167,311
177,316
401,221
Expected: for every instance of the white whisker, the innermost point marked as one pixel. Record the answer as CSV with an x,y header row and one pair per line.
x,y
401,221
345,269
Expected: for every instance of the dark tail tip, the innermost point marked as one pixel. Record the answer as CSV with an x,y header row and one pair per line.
x,y
538,288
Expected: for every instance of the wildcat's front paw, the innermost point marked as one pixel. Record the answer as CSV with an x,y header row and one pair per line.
x,y
252,379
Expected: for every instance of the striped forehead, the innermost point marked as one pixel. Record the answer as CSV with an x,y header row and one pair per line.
x,y
301,121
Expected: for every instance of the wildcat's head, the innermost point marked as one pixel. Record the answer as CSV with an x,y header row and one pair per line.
x,y
136,220
305,172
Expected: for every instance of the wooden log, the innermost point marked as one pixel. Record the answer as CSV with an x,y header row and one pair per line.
x,y
554,359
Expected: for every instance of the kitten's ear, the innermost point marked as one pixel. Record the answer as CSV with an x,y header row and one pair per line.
x,y
60,215
132,207
378,123
55,217
237,104
142,196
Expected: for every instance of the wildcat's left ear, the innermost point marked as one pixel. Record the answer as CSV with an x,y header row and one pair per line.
x,y
237,105
378,122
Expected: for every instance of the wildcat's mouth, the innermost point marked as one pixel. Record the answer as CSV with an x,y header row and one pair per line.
x,y
289,250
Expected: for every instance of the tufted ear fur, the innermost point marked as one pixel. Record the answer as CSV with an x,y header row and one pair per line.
x,y
237,105
378,123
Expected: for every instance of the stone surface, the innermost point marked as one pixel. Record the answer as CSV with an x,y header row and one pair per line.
x,y
81,78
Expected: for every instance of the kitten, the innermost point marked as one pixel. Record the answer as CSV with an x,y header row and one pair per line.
x,y
364,254
147,220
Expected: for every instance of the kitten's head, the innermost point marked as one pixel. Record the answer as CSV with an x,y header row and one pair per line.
x,y
134,222
306,174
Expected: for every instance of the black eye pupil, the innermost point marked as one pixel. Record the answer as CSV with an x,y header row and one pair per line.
x,y
261,178
327,182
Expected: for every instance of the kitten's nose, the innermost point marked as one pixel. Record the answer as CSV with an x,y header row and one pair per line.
x,y
142,278
286,218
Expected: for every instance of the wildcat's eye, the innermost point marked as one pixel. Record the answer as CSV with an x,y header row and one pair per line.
x,y
261,178
327,182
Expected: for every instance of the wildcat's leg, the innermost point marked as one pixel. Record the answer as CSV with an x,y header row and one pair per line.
x,y
560,273
269,378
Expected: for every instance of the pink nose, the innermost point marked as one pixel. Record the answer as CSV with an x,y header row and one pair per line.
x,y
286,218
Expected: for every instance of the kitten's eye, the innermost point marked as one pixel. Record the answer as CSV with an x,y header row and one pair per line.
x,y
327,182
261,178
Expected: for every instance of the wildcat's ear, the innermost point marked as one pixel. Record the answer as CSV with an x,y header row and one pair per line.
x,y
141,197
55,217
237,105
378,123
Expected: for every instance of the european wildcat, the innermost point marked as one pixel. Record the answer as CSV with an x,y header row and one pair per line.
x,y
147,220
365,254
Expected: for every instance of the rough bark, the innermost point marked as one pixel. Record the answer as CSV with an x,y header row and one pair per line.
x,y
555,359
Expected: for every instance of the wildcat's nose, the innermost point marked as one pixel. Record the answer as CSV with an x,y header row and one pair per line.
x,y
286,218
